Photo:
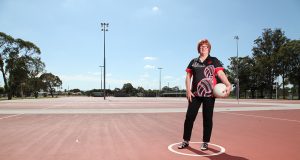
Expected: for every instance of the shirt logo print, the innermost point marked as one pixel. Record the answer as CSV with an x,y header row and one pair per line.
x,y
204,87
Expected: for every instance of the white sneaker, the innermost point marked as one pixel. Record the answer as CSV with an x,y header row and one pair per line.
x,y
183,144
204,146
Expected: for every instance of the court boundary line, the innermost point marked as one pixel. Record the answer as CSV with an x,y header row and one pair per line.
x,y
266,117
20,114
54,110
10,116
222,150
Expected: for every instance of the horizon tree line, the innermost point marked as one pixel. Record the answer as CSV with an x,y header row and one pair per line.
x,y
273,56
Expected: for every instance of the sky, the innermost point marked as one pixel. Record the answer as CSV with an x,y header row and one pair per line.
x,y
142,35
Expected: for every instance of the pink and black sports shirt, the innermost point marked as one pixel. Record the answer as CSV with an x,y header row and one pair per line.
x,y
204,75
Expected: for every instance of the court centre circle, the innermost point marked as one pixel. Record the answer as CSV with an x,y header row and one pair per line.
x,y
222,150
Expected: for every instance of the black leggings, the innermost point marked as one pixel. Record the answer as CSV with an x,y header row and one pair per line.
x,y
207,114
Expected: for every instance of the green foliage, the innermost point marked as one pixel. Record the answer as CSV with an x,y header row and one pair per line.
x,y
75,90
50,81
273,55
264,51
2,90
290,53
19,64
129,89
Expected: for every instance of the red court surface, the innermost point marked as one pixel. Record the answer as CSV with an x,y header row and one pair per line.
x,y
86,128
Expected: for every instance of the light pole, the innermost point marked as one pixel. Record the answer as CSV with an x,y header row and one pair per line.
x,y
101,75
277,83
104,27
159,78
237,69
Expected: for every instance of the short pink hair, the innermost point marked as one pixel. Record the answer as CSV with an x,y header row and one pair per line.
x,y
202,42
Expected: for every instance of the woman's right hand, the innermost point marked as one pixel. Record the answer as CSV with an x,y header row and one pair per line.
x,y
189,95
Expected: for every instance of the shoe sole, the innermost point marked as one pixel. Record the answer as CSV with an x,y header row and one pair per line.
x,y
183,147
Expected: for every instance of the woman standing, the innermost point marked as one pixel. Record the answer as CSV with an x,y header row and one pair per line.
x,y
202,71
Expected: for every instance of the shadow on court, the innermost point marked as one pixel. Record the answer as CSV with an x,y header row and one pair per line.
x,y
217,157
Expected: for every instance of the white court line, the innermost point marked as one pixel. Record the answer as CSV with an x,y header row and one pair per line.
x,y
222,150
249,115
15,115
20,114
54,110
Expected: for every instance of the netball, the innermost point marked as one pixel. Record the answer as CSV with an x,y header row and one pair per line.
x,y
219,90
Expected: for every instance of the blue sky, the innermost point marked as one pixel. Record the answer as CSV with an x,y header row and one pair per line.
x,y
142,36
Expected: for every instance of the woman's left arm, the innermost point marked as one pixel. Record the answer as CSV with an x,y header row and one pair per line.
x,y
224,79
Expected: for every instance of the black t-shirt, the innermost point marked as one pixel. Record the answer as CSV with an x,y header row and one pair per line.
x,y
204,75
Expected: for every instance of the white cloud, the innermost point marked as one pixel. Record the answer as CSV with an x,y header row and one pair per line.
x,y
150,58
155,9
148,12
149,67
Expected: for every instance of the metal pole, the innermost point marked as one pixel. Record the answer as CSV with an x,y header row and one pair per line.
x,y
104,29
237,68
277,83
160,78
104,92
101,75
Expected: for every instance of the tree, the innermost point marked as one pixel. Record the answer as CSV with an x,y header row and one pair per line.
x,y
23,64
128,89
75,90
17,58
35,67
290,52
117,90
18,74
2,91
264,50
166,89
231,71
247,75
6,43
50,81
175,89
283,65
140,90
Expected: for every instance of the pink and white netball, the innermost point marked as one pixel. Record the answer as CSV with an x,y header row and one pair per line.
x,y
219,90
